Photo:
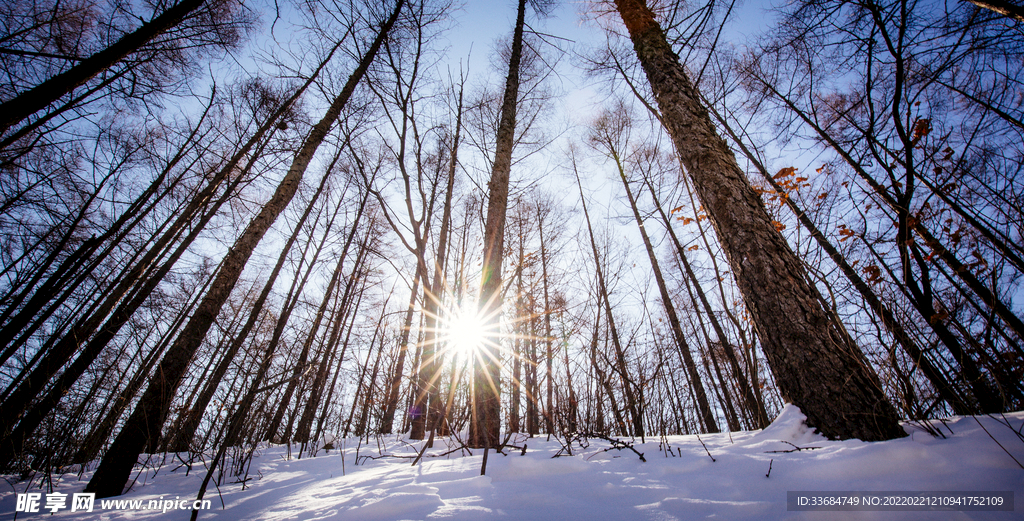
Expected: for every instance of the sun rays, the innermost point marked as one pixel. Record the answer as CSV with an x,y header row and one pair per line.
x,y
465,332
465,337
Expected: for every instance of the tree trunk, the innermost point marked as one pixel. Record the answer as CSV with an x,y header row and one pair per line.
x,y
148,418
134,286
187,429
620,356
486,411
93,443
27,103
306,421
1007,9
817,365
433,304
870,298
301,364
673,319
549,411
387,422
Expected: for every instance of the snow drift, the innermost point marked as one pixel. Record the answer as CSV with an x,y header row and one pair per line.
x,y
742,475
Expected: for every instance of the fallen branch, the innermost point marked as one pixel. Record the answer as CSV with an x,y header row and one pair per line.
x,y
583,439
794,449
410,456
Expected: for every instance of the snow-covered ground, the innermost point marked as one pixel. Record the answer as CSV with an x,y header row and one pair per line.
x,y
593,483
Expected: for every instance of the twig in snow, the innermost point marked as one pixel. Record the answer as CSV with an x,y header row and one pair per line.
x,y
997,442
1005,422
705,448
929,428
943,422
415,458
501,448
184,463
769,474
582,439
483,467
423,449
794,449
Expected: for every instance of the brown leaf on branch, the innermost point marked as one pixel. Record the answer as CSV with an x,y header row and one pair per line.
x,y
921,129
785,172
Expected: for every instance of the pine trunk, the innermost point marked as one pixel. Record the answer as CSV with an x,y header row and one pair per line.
x,y
816,364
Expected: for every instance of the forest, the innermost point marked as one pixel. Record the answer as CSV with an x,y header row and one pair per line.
x,y
228,223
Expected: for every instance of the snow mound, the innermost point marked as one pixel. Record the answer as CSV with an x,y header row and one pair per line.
x,y
740,476
790,426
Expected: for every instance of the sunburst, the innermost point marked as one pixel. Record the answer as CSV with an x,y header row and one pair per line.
x,y
464,331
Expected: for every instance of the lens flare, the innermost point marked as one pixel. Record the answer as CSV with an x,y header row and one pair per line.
x,y
465,332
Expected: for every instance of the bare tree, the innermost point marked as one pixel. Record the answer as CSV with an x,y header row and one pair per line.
x,y
816,364
27,103
148,417
486,418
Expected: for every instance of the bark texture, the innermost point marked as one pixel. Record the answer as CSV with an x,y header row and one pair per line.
x,y
816,364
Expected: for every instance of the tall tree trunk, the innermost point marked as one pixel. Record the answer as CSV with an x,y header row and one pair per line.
x,y
18,401
325,407
93,443
816,364
620,356
395,385
532,403
370,388
313,401
149,415
27,103
962,272
901,336
968,365
134,286
549,411
72,265
519,350
359,392
485,422
433,304
707,416
321,313
186,431
572,407
751,402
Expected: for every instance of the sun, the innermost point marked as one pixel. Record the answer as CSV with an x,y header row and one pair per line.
x,y
465,332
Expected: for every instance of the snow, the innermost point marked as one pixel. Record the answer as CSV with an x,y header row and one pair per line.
x,y
593,483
